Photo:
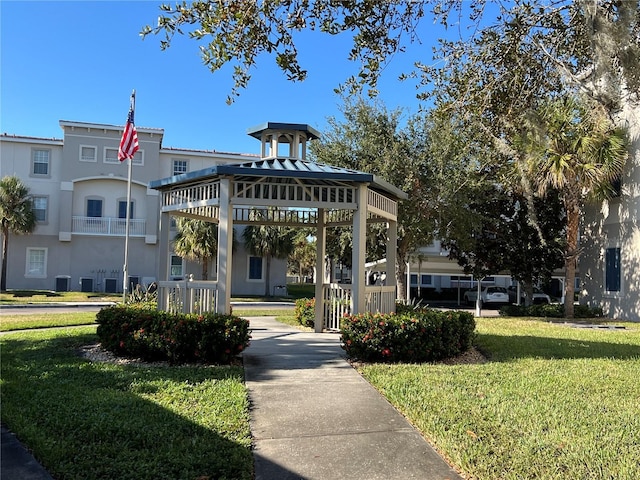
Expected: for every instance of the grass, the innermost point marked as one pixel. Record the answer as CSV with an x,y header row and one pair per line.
x,y
17,297
13,297
554,402
40,320
261,312
32,319
93,420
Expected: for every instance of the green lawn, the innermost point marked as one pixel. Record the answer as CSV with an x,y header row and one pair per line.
x,y
34,319
93,420
42,320
553,402
13,297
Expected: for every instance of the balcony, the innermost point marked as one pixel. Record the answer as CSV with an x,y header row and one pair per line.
x,y
113,227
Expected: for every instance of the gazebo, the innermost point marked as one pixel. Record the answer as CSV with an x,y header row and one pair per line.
x,y
288,190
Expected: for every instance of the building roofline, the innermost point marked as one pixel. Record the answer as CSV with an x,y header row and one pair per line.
x,y
27,139
210,153
107,126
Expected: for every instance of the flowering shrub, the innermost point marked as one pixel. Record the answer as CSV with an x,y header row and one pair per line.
x,y
420,336
150,334
305,311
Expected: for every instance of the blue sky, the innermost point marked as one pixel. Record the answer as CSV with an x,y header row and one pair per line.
x,y
80,60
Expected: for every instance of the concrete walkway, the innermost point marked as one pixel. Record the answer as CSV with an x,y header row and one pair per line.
x,y
314,417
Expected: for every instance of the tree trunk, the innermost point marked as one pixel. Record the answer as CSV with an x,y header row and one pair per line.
x,y
267,281
401,279
573,224
528,294
5,248
205,269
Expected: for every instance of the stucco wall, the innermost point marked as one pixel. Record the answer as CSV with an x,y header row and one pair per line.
x,y
616,223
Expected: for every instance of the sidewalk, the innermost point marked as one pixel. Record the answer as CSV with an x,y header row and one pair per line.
x,y
16,461
314,417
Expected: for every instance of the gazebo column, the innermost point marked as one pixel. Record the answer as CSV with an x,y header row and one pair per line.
x,y
163,246
392,252
225,247
359,251
321,247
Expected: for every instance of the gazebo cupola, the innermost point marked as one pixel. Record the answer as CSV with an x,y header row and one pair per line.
x,y
278,138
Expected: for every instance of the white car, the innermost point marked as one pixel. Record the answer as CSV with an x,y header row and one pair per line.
x,y
539,296
492,295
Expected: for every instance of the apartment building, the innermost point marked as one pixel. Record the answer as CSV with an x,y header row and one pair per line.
x,y
79,191
610,260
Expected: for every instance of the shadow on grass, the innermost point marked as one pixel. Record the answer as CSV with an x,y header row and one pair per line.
x,y
84,420
500,348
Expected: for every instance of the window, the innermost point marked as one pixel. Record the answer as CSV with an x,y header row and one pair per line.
x,y
111,155
88,154
40,208
122,209
40,164
94,207
180,166
36,263
176,267
414,279
138,158
255,268
426,280
612,269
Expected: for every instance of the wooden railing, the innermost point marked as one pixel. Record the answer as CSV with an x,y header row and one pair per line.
x,y
187,296
338,302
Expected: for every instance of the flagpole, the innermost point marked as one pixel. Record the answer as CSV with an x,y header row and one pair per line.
x,y
125,268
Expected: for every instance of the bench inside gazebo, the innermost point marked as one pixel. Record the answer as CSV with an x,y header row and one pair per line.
x,y
289,191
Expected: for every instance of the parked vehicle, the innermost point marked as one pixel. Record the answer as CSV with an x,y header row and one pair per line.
x,y
539,297
491,295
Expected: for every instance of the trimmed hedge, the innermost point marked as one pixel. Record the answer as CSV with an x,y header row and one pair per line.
x,y
305,311
550,311
150,334
423,335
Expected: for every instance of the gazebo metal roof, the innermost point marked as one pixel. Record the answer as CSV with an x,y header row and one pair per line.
x,y
258,130
281,168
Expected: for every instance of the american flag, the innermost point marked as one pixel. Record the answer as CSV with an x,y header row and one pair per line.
x,y
129,142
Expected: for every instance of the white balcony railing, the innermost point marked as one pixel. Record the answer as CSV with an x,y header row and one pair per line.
x,y
108,226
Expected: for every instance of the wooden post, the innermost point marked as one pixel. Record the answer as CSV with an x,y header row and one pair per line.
x,y
321,245
359,250
225,246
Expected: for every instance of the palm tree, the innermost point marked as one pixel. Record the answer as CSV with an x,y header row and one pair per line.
x,y
267,241
575,149
197,240
18,217
303,254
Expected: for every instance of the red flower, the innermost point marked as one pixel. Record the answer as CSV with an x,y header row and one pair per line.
x,y
386,352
